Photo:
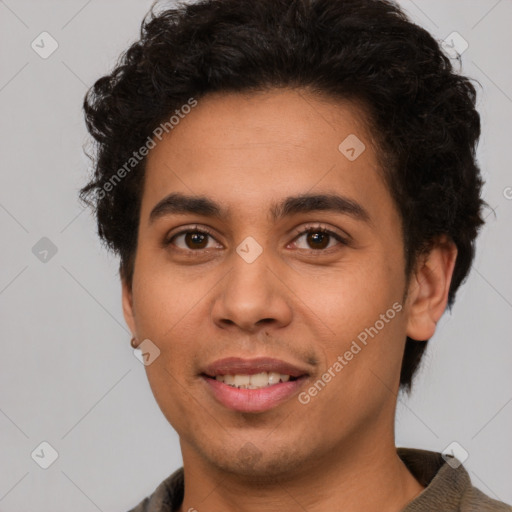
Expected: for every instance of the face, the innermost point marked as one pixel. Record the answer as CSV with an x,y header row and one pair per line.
x,y
252,272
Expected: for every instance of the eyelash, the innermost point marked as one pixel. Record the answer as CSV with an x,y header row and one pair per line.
x,y
298,234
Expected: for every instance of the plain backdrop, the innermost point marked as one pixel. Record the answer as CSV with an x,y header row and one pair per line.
x,y
68,376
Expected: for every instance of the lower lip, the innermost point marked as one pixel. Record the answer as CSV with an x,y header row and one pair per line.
x,y
253,400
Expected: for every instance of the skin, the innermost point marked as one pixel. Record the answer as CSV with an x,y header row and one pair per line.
x,y
301,300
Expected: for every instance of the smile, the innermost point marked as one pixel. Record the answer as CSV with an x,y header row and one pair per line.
x,y
256,381
256,398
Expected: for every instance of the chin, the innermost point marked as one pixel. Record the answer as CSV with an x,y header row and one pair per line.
x,y
249,463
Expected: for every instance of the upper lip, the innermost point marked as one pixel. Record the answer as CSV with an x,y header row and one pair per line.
x,y
240,366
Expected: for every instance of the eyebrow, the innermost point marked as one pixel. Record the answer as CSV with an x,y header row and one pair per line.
x,y
177,203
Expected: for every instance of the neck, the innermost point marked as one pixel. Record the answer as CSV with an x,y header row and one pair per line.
x,y
355,478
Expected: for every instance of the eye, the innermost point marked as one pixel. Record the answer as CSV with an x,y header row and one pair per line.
x,y
195,239
319,238
192,239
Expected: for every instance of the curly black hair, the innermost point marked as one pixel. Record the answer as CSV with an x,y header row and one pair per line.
x,y
421,111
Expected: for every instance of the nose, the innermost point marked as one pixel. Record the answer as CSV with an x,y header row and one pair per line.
x,y
252,296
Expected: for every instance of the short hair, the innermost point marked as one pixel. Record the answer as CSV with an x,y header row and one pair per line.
x,y
421,112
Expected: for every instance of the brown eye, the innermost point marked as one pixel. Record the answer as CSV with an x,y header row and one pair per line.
x,y
319,238
192,240
196,240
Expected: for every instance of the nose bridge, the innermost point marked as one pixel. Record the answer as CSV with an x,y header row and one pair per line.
x,y
250,280
250,270
251,291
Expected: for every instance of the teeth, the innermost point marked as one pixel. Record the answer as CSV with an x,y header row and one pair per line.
x,y
241,380
256,381
229,379
259,380
273,378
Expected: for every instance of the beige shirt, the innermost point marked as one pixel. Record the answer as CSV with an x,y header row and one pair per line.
x,y
447,488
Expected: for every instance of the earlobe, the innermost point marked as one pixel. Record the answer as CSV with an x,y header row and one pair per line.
x,y
128,310
429,287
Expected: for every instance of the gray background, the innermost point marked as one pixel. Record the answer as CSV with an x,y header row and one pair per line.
x,y
67,373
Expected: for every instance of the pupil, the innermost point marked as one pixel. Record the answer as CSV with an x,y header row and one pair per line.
x,y
194,238
315,237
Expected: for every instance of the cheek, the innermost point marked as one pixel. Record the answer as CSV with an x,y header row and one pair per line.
x,y
363,310
361,367
164,310
169,311
352,297
162,298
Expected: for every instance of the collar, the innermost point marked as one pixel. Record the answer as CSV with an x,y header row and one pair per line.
x,y
444,485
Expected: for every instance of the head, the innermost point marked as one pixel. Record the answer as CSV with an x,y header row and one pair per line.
x,y
233,122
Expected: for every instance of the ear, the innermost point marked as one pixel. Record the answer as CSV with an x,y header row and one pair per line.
x,y
128,311
428,289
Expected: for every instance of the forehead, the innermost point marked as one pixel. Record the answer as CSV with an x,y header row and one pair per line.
x,y
294,120
245,149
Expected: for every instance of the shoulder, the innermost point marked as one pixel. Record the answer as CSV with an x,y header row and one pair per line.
x,y
167,497
447,485
474,500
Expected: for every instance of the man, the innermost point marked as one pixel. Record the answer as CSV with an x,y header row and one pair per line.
x,y
292,189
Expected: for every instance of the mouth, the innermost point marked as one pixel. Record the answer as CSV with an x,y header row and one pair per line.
x,y
253,385
256,381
